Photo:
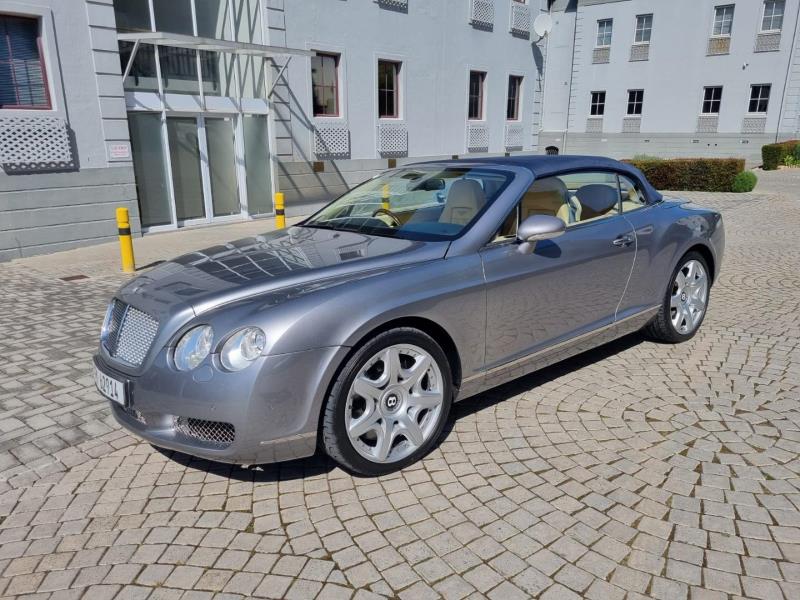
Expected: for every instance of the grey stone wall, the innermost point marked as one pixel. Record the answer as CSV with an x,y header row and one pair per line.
x,y
43,211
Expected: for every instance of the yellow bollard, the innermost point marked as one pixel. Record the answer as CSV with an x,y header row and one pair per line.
x,y
386,196
280,212
125,241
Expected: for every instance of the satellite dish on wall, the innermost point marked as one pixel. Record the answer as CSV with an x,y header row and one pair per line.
x,y
542,25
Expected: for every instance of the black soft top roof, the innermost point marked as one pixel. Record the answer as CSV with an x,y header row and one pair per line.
x,y
545,166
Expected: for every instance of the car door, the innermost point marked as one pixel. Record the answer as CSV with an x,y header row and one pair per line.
x,y
569,285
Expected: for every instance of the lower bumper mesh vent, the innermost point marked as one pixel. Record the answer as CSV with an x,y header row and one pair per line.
x,y
132,412
214,433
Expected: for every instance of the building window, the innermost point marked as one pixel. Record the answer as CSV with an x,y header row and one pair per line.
x,y
644,27
388,89
514,93
23,81
712,99
476,83
325,84
723,20
598,108
635,101
759,98
604,29
773,15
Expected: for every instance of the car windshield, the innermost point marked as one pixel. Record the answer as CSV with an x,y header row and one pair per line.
x,y
416,203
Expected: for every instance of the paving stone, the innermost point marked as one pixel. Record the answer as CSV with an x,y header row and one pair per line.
x,y
637,469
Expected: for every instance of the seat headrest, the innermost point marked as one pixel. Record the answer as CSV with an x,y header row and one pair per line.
x,y
545,196
549,184
597,199
464,200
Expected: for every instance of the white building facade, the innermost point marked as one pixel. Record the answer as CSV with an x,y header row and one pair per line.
x,y
194,112
681,78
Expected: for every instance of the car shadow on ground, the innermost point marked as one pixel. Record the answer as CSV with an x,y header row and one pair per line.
x,y
319,464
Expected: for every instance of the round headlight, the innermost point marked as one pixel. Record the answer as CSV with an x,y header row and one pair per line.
x,y
104,330
193,347
242,348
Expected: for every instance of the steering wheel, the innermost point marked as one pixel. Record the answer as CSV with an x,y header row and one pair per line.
x,y
385,211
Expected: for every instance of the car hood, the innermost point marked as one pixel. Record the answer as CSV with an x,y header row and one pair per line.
x,y
208,278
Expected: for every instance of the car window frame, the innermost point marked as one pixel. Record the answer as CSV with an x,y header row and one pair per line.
x,y
640,189
494,242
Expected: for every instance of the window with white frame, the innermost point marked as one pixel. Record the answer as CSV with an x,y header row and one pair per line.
x,y
759,98
512,100
598,106
388,89
23,81
635,102
604,30
723,20
644,28
477,80
325,84
773,15
712,100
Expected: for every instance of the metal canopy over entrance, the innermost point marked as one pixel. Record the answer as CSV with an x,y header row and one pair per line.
x,y
176,40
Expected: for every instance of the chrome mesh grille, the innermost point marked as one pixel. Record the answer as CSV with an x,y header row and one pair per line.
x,y
215,433
129,333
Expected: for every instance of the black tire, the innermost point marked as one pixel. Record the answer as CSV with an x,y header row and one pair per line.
x,y
334,438
660,329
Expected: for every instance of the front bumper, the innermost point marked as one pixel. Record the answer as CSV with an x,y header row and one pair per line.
x,y
268,412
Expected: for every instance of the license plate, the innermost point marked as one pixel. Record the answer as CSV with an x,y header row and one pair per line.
x,y
110,388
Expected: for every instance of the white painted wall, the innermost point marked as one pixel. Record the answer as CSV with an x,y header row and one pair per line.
x,y
678,69
437,46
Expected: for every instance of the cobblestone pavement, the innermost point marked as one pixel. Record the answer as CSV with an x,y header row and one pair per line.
x,y
635,470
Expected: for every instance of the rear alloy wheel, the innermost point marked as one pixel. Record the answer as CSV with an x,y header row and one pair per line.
x,y
389,405
686,301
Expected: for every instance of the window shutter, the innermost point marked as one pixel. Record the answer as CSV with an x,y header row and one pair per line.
x,y
22,81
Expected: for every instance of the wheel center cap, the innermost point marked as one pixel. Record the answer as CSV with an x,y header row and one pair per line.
x,y
683,297
392,401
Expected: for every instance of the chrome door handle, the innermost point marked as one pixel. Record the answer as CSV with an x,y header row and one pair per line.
x,y
623,240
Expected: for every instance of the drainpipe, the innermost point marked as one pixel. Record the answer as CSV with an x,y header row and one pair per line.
x,y
788,72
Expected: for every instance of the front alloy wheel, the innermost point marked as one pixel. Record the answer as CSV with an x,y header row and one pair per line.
x,y
389,404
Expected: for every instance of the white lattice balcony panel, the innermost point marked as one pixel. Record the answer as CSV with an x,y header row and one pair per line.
x,y
513,136
640,52
707,124
601,56
754,124
481,14
594,125
392,139
719,45
332,141
520,19
393,4
768,42
477,138
631,124
35,144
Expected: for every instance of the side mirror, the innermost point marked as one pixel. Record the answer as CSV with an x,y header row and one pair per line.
x,y
537,228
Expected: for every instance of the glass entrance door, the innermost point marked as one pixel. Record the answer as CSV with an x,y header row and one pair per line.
x,y
184,155
195,169
221,154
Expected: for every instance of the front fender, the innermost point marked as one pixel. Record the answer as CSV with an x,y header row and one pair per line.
x,y
449,292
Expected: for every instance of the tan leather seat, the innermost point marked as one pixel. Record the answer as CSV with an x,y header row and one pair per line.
x,y
464,200
548,197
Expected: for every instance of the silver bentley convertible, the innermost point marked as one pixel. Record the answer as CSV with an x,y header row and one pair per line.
x,y
355,330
